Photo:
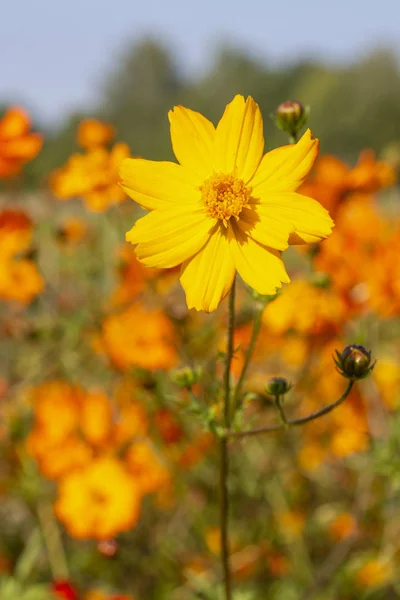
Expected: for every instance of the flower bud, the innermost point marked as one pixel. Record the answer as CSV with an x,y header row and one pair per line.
x,y
185,377
108,548
278,386
354,362
290,116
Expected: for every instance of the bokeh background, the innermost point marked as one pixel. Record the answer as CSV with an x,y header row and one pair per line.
x,y
108,465
131,62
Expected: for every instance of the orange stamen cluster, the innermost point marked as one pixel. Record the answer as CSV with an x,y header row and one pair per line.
x,y
225,196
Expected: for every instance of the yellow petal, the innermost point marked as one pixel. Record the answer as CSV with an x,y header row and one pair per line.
x,y
260,267
192,138
168,237
285,168
239,139
265,227
311,221
208,276
155,184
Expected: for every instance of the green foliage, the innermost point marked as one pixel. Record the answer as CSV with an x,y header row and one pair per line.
x,y
10,589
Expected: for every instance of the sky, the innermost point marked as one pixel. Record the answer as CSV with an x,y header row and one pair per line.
x,y
54,53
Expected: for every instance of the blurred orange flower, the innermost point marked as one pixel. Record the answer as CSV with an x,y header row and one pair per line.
x,y
332,180
93,133
20,279
306,308
100,500
139,337
72,230
374,573
17,145
343,526
92,176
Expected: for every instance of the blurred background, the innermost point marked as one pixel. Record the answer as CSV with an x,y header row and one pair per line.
x,y
130,62
107,474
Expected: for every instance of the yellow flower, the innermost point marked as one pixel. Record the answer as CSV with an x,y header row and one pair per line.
x,y
225,207
98,501
374,573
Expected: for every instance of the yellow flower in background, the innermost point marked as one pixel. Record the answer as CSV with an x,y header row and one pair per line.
x,y
225,207
374,573
98,501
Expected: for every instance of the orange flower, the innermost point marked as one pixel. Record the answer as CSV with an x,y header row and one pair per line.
x,y
133,276
291,522
387,378
93,176
139,337
72,230
96,418
17,145
147,467
383,276
19,277
343,526
374,573
93,133
332,179
98,501
306,308
370,175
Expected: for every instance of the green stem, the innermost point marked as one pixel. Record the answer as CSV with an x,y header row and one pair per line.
x,y
278,404
52,539
249,354
224,455
296,422
293,139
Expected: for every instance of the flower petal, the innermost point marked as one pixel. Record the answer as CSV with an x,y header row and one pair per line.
x,y
285,168
168,237
15,122
192,137
22,148
239,139
260,267
311,221
154,184
265,227
208,276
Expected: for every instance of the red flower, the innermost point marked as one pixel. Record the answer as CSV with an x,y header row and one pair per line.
x,y
64,590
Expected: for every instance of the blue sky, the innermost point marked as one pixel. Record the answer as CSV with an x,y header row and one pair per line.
x,y
54,53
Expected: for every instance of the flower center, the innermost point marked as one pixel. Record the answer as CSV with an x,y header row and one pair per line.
x,y
225,196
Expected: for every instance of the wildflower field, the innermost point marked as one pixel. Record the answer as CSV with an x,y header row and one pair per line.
x,y
199,359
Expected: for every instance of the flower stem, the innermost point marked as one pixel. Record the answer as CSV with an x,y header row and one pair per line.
x,y
53,542
295,422
224,455
249,354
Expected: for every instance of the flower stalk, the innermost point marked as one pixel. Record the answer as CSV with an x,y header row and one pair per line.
x,y
224,453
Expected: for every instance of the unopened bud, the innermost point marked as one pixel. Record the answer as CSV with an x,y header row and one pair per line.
x,y
185,377
278,386
108,548
291,116
354,362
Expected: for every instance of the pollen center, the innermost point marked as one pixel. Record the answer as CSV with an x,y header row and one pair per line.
x,y
225,196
